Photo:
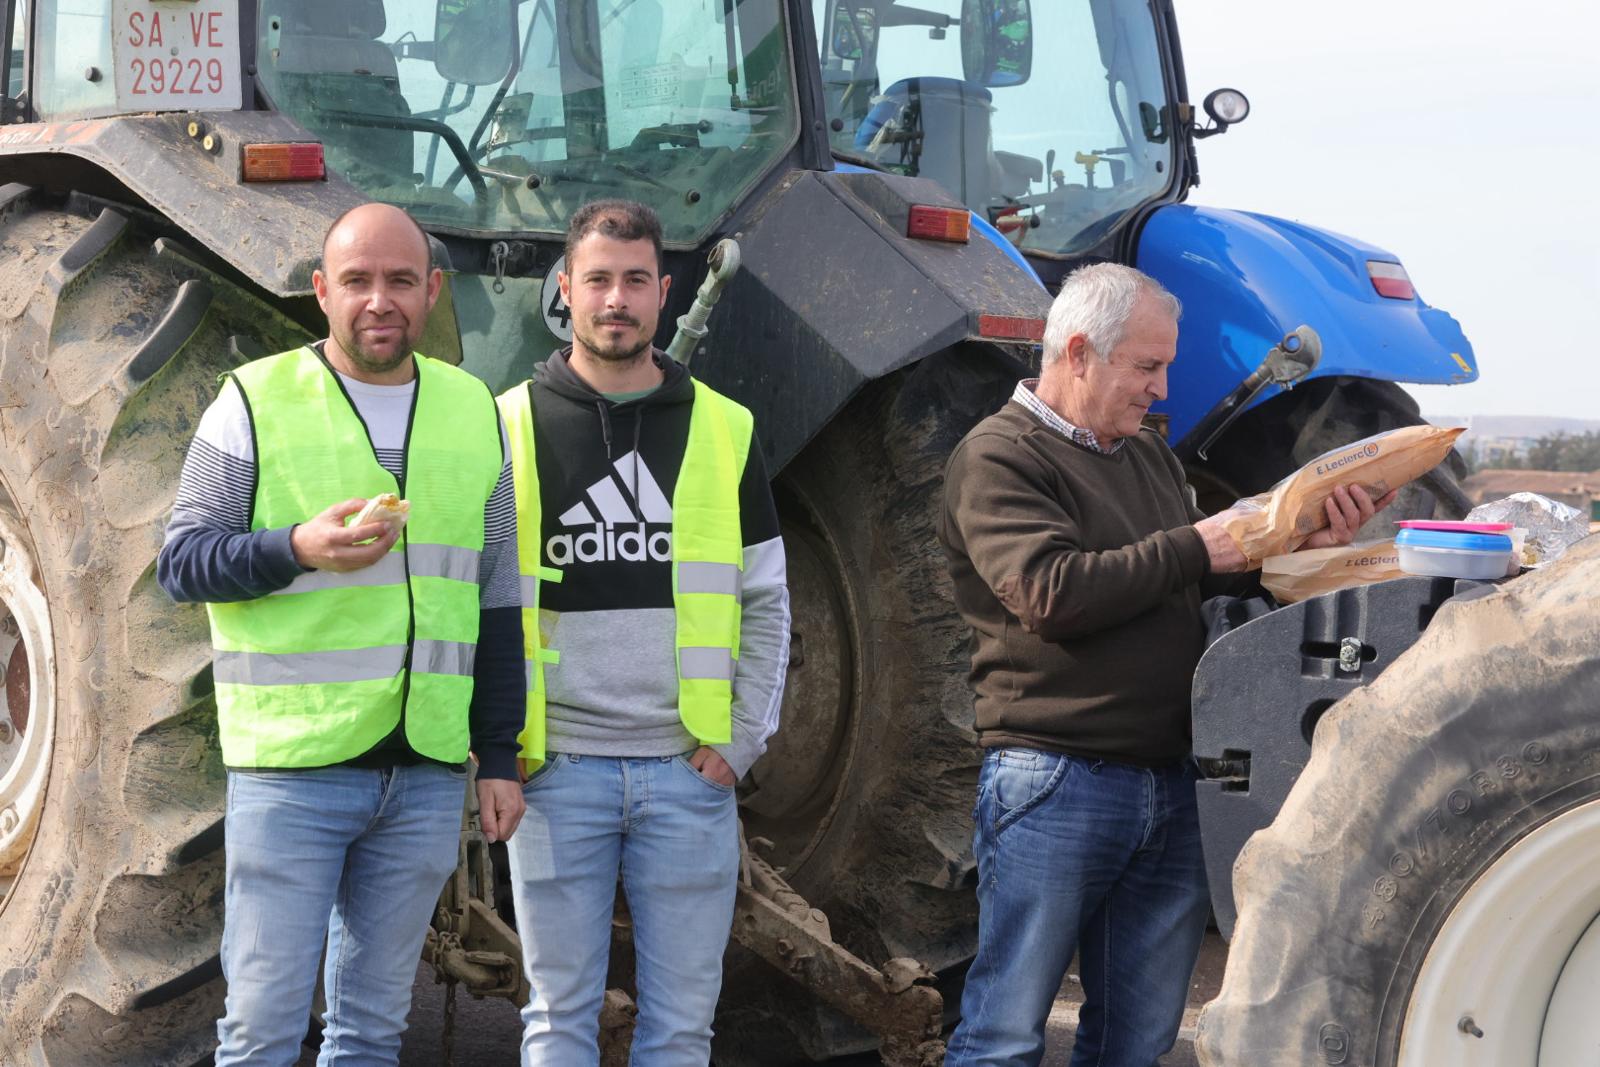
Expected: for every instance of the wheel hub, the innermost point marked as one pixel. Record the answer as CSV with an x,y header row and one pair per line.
x,y
27,720
1507,980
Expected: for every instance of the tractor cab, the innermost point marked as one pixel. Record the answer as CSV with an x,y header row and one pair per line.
x,y
1053,121
503,116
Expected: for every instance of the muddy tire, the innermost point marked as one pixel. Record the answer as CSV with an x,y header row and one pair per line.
x,y
111,340
1419,897
1272,441
867,792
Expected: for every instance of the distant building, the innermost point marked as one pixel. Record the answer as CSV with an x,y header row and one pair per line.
x,y
1493,451
1578,489
1491,440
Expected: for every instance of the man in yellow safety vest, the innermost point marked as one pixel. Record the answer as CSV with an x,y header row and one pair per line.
x,y
354,664
656,630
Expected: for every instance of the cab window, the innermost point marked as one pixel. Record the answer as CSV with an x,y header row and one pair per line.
x,y
73,55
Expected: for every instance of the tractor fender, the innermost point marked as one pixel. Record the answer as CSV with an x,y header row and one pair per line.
x,y
1247,279
833,295
269,231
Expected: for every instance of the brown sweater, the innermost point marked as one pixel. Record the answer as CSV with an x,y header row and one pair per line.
x,y
1080,575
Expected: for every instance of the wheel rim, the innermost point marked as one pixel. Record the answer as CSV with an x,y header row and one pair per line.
x,y
27,700
1508,980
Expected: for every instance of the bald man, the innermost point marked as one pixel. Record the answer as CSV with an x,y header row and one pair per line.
x,y
356,663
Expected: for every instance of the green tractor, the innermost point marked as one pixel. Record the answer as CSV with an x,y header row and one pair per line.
x,y
167,171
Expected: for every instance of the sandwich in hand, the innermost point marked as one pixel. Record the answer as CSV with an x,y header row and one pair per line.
x,y
385,507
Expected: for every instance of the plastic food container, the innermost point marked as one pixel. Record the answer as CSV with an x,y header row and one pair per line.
x,y
1454,526
1454,554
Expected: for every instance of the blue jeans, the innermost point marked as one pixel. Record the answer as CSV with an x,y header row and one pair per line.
x,y
1075,854
352,855
674,837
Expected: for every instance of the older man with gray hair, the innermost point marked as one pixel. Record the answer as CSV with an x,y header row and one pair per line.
x,y
1080,564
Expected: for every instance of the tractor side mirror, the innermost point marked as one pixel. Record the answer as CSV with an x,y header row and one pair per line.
x,y
846,35
475,41
996,41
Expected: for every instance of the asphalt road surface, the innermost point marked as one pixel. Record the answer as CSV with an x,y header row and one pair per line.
x,y
487,1031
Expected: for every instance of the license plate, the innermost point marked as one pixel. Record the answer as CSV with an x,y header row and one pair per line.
x,y
177,55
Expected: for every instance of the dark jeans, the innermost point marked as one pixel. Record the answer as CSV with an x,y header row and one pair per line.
x,y
1085,855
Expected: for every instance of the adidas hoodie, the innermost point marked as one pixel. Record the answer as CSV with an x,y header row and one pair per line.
x,y
606,474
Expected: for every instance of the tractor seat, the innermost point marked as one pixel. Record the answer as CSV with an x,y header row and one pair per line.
x,y
329,58
956,147
333,37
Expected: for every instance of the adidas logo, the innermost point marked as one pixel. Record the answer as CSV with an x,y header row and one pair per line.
x,y
616,526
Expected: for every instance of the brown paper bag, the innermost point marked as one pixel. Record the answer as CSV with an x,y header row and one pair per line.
x,y
1279,520
1300,575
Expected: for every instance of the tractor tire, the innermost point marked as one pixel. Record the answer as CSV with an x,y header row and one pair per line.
x,y
1423,895
867,792
112,336
1272,441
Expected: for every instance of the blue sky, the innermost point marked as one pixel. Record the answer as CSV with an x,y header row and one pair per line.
x,y
1460,136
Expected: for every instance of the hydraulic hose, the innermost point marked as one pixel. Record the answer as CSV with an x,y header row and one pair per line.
x,y
724,263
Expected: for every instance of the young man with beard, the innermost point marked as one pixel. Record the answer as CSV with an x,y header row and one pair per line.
x,y
656,624
354,664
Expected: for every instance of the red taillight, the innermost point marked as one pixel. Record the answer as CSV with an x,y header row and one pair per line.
x,y
283,162
1010,328
1390,280
939,223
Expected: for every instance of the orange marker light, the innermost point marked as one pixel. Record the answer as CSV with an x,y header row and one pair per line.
x,y
931,223
283,162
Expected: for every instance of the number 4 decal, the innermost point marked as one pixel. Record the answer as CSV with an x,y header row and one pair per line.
x,y
557,316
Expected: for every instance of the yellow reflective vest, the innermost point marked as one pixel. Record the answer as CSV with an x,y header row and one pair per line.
x,y
707,562
324,668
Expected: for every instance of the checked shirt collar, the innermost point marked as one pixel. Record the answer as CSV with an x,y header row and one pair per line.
x,y
1029,399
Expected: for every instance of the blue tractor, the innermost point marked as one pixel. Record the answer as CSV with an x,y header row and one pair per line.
x,y
907,184
1087,154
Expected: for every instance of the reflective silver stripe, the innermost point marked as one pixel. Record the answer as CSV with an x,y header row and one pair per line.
x,y
390,570
442,657
444,561
708,578
308,668
704,662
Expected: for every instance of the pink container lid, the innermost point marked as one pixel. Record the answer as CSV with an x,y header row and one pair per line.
x,y
1459,527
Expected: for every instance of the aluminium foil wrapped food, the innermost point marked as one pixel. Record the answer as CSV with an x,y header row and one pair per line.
x,y
1552,527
